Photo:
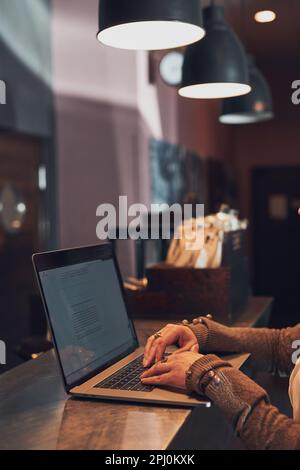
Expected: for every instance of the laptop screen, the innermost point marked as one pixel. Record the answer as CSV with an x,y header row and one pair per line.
x,y
88,316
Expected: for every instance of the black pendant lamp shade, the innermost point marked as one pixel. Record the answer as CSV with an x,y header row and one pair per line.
x,y
215,67
150,24
257,106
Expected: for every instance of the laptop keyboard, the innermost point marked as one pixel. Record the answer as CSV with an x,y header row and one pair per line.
x,y
127,378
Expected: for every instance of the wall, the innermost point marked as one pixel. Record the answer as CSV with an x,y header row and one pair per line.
x,y
82,66
26,68
26,124
98,149
273,143
199,129
101,140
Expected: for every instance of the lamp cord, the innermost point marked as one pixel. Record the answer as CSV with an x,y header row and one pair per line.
x,y
244,26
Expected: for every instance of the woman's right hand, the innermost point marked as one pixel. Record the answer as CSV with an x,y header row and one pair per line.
x,y
168,336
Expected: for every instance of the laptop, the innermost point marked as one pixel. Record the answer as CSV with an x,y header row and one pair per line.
x,y
93,335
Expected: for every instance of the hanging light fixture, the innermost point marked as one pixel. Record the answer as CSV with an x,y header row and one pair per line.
x,y
257,106
216,67
150,24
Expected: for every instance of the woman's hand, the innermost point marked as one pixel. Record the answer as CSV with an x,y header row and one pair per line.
x,y
171,371
169,335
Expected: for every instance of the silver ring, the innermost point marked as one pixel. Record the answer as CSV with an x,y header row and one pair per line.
x,y
157,335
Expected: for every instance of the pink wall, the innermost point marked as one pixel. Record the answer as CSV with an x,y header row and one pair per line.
x,y
82,66
98,150
97,123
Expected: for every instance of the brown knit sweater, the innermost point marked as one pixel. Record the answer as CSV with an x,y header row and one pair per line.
x,y
246,404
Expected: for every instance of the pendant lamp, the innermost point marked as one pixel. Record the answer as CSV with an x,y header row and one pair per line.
x,y
150,24
215,67
257,106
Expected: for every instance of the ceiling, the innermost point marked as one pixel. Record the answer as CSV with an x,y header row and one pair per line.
x,y
275,43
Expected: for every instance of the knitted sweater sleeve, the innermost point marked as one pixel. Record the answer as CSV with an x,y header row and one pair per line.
x,y
271,350
245,404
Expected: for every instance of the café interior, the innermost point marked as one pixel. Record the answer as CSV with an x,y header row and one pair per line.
x,y
150,104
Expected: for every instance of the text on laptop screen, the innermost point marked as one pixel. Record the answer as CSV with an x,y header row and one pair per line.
x,y
88,316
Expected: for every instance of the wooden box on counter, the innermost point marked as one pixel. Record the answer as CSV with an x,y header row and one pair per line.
x,y
189,292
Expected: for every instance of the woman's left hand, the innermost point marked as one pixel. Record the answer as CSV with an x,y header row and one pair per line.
x,y
171,371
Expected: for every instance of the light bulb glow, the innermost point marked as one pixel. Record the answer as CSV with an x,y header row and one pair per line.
x,y
214,90
21,208
16,224
151,35
265,16
42,178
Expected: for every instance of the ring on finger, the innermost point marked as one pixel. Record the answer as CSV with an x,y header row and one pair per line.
x,y
157,335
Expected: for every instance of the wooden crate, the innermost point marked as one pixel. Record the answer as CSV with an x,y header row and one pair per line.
x,y
183,293
190,292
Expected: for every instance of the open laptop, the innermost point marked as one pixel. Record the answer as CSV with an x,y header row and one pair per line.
x,y
94,338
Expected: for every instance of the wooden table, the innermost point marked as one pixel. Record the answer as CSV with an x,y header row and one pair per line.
x,y
35,412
